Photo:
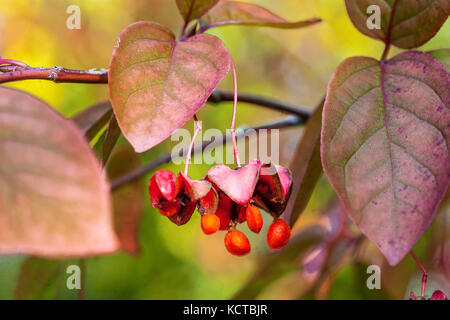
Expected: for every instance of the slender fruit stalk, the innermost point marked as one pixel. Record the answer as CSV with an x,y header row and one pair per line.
x,y
198,128
233,121
424,274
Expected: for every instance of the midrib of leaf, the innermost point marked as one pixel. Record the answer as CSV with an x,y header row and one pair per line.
x,y
391,23
188,16
389,140
139,62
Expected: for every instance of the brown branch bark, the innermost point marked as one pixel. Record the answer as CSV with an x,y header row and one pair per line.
x,y
270,103
55,74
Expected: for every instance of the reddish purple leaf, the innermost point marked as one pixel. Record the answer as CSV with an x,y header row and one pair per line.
x,y
334,221
385,136
156,84
306,166
234,12
128,201
439,245
40,279
314,261
405,23
54,199
237,184
193,9
92,119
112,134
443,56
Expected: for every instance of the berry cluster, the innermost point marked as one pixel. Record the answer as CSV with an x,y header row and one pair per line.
x,y
226,198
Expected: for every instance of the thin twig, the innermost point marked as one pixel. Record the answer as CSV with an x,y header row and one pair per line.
x,y
56,74
270,103
13,63
163,159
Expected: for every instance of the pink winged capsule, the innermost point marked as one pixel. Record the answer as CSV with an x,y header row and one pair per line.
x,y
273,189
238,184
177,196
235,189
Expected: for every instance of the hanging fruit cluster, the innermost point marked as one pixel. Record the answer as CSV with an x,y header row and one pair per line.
x,y
227,198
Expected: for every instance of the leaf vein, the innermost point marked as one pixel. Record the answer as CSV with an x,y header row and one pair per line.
x,y
348,108
421,81
136,63
424,120
414,157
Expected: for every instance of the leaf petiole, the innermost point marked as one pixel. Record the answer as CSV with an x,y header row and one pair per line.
x,y
424,276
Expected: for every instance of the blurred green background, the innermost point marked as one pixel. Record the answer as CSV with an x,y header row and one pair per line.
x,y
181,262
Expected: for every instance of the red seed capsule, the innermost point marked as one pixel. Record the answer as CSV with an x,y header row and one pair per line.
x,y
169,209
224,218
242,214
237,243
254,218
278,234
438,295
210,223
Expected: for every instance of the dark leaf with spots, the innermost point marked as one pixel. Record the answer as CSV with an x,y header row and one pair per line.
x,y
385,136
406,24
